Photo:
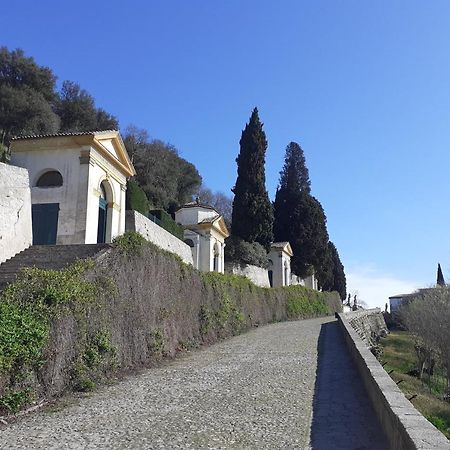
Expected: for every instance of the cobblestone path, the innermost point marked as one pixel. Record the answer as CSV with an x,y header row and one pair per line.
x,y
253,391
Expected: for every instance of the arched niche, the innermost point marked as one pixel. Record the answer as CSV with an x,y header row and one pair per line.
x,y
49,178
216,256
105,202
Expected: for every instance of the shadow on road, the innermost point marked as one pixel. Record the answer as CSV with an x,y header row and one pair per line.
x,y
342,418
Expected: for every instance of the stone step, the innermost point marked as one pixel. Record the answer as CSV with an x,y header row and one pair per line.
x,y
47,257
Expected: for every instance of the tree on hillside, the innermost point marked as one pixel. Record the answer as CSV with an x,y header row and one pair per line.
x,y
135,138
300,219
337,281
167,179
252,215
76,108
30,104
27,94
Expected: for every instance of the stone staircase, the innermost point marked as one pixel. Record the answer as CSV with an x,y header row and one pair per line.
x,y
47,257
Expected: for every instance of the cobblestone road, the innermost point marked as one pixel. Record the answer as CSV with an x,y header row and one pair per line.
x,y
253,391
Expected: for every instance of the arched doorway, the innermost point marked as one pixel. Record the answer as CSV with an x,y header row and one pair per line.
x,y
216,258
45,215
286,274
102,215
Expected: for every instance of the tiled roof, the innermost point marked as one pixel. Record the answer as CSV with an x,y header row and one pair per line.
x,y
76,133
210,219
279,244
197,205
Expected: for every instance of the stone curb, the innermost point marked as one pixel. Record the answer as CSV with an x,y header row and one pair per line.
x,y
404,426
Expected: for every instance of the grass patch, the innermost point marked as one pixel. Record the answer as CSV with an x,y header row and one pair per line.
x,y
400,357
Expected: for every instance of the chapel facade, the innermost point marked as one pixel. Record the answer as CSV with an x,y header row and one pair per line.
x,y
280,264
205,232
78,184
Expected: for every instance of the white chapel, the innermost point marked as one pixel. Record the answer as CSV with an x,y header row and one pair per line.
x,y
78,183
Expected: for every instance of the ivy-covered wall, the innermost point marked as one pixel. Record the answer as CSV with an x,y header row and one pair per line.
x,y
71,329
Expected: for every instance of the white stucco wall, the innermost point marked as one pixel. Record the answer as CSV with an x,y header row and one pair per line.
x,y
256,275
295,280
194,214
311,282
78,197
281,267
135,221
103,171
67,163
15,211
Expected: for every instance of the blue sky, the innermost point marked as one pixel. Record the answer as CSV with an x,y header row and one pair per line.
x,y
363,86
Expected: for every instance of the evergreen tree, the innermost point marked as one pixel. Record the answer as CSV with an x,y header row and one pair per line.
x,y
76,108
30,104
26,96
300,219
252,215
440,276
295,175
167,179
338,281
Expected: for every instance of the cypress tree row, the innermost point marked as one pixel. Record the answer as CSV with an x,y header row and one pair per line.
x,y
300,219
336,280
340,282
252,218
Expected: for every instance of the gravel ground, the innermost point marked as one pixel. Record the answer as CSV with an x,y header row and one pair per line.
x,y
252,391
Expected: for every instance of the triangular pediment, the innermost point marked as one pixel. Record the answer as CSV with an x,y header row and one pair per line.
x,y
108,144
113,144
282,247
221,226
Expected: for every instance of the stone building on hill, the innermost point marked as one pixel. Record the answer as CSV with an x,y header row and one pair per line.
x,y
280,264
205,232
69,188
78,183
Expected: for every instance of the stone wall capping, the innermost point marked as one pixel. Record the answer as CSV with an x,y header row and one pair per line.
x,y
403,425
135,221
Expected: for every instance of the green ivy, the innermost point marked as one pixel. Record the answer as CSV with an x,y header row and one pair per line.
x,y
14,401
130,242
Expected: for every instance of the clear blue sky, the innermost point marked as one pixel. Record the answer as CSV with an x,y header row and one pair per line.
x,y
362,86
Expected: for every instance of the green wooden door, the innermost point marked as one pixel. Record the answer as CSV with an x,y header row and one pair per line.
x,y
102,217
44,218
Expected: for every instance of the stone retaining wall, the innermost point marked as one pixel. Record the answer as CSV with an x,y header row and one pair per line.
x,y
15,211
135,221
255,274
404,426
369,324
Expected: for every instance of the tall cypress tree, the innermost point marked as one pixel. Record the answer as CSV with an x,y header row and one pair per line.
x,y
295,175
300,219
337,281
252,216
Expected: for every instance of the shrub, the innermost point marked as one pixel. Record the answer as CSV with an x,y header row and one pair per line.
x,y
136,199
130,242
253,253
303,303
165,221
28,309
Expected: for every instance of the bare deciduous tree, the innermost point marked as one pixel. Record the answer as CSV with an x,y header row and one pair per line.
x,y
427,316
